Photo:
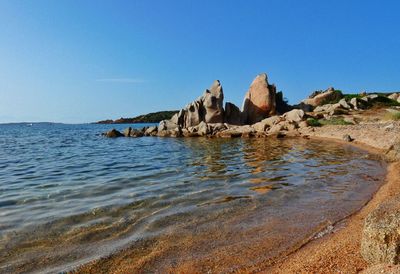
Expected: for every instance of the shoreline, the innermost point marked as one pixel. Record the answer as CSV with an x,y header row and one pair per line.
x,y
338,249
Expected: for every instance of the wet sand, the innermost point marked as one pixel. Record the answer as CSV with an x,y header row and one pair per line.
x,y
339,252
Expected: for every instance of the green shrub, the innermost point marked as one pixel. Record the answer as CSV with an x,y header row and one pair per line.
x,y
312,122
384,101
337,97
348,97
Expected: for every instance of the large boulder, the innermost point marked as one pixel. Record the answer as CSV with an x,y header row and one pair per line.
x,y
381,234
319,98
359,103
233,115
259,101
331,109
267,123
295,115
213,100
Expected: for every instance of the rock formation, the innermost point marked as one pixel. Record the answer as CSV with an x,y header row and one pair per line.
x,y
233,115
259,102
207,108
381,239
319,98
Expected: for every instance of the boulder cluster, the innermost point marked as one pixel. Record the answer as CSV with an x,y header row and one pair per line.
x,y
207,116
263,113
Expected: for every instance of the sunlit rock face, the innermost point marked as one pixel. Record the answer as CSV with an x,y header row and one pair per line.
x,y
259,101
207,108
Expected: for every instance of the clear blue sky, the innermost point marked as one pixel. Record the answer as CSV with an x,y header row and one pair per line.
x,y
82,61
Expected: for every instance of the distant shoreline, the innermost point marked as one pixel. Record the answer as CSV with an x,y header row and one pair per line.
x,y
153,117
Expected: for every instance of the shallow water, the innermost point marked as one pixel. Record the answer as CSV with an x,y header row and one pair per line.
x,y
68,195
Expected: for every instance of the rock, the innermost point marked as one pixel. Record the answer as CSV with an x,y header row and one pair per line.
x,y
372,96
217,127
303,124
282,105
270,121
177,132
394,96
344,104
359,103
191,115
393,153
113,134
167,125
229,134
320,98
127,132
347,138
275,129
381,238
266,123
233,115
304,106
207,108
237,131
331,109
213,103
382,269
136,133
295,115
389,127
259,101
260,126
150,131
354,103
203,129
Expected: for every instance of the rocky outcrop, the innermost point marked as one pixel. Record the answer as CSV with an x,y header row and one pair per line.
x,y
213,100
260,100
207,108
206,116
381,238
319,98
233,115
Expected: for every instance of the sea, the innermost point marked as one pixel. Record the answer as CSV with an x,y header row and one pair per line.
x,y
69,196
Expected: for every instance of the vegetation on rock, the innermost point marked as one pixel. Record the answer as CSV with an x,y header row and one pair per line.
x,y
154,117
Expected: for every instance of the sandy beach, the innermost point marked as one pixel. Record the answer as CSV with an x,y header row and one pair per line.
x,y
336,250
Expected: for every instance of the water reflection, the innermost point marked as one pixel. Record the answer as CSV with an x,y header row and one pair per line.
x,y
73,198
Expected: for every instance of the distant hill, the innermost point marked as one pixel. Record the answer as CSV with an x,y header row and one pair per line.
x,y
153,117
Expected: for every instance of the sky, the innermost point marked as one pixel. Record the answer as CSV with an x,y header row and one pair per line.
x,y
83,61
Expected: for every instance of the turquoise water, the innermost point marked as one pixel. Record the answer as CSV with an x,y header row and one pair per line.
x,y
69,195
